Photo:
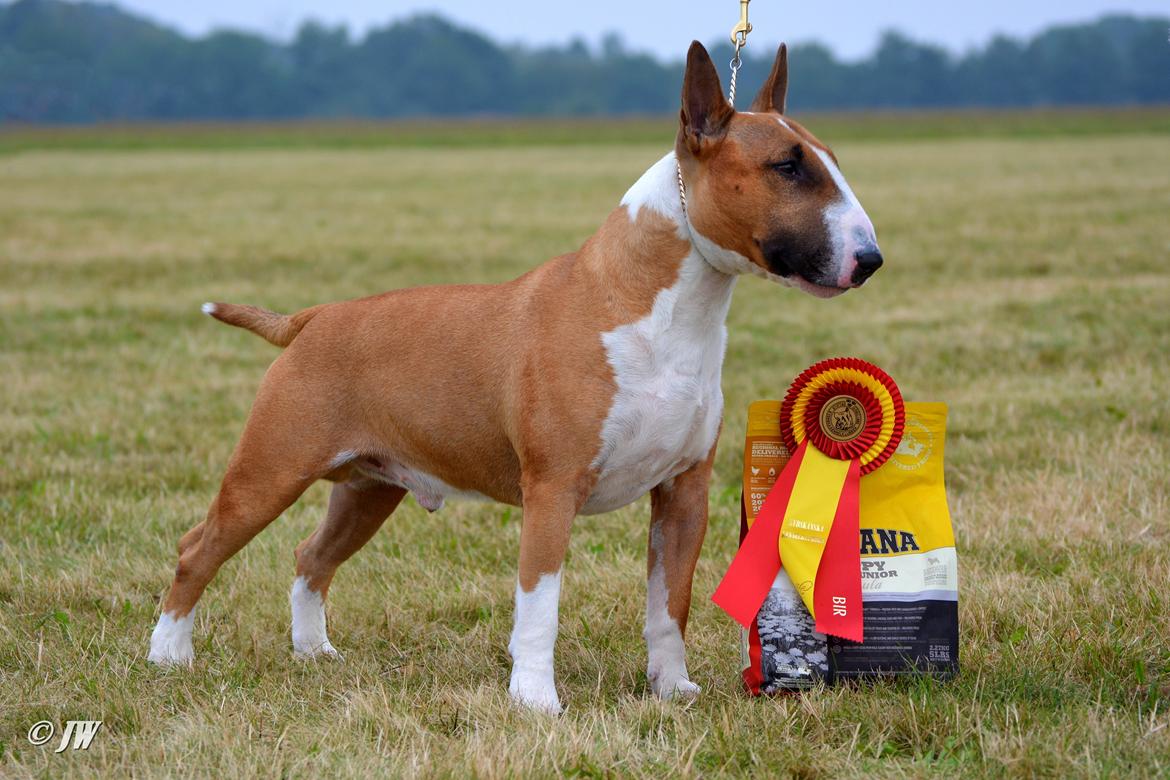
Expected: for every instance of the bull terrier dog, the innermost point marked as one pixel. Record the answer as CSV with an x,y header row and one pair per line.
x,y
572,390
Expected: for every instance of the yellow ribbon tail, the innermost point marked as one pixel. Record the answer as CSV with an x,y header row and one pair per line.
x,y
808,518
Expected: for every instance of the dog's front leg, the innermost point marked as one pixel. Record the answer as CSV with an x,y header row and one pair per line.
x,y
678,523
549,509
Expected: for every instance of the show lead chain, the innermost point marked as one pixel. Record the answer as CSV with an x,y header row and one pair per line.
x,y
739,35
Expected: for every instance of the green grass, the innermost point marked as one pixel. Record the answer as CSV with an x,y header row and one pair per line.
x,y
1027,285
497,132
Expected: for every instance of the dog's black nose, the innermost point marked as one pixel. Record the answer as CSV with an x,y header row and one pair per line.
x,y
868,261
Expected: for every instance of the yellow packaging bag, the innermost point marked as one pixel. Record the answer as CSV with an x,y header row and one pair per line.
x,y
909,567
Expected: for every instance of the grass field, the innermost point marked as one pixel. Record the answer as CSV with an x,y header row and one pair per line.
x,y
1027,285
358,134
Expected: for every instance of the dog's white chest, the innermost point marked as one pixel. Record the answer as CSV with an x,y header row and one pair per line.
x,y
666,413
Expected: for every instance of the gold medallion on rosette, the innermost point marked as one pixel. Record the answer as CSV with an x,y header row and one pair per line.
x,y
850,409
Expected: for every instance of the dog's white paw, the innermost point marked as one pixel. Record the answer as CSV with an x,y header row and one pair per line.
x,y
170,643
308,623
535,691
305,651
673,684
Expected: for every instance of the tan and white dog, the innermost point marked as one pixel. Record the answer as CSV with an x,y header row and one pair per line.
x,y
572,390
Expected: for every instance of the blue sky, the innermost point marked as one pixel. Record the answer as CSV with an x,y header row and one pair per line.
x,y
664,28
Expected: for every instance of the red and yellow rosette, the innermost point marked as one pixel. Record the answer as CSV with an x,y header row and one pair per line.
x,y
842,419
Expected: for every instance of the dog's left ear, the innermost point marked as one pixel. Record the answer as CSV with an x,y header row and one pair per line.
x,y
705,111
774,93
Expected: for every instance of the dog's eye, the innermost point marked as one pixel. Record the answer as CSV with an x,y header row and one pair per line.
x,y
787,168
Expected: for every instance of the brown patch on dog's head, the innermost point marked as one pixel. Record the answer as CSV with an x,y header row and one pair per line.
x,y
764,195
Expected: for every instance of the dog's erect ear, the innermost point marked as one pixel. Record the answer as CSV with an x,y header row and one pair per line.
x,y
775,90
705,112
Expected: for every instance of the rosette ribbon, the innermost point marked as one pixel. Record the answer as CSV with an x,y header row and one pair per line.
x,y
841,419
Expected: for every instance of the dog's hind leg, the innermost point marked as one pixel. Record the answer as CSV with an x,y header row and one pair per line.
x,y
190,538
246,503
273,464
356,512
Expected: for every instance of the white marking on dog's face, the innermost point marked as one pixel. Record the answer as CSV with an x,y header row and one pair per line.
x,y
666,667
170,643
849,226
534,635
308,622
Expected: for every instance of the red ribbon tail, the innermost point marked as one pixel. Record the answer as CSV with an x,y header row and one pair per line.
x,y
837,595
744,587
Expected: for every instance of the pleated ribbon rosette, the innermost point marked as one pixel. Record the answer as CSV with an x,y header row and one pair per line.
x,y
841,419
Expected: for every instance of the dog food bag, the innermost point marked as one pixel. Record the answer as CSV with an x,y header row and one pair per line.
x,y
909,569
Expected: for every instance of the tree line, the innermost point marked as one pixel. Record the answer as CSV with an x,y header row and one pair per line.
x,y
82,62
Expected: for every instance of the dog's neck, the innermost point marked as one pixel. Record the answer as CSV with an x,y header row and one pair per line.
x,y
658,190
648,245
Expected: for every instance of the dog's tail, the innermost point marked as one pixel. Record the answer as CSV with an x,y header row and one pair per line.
x,y
276,328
